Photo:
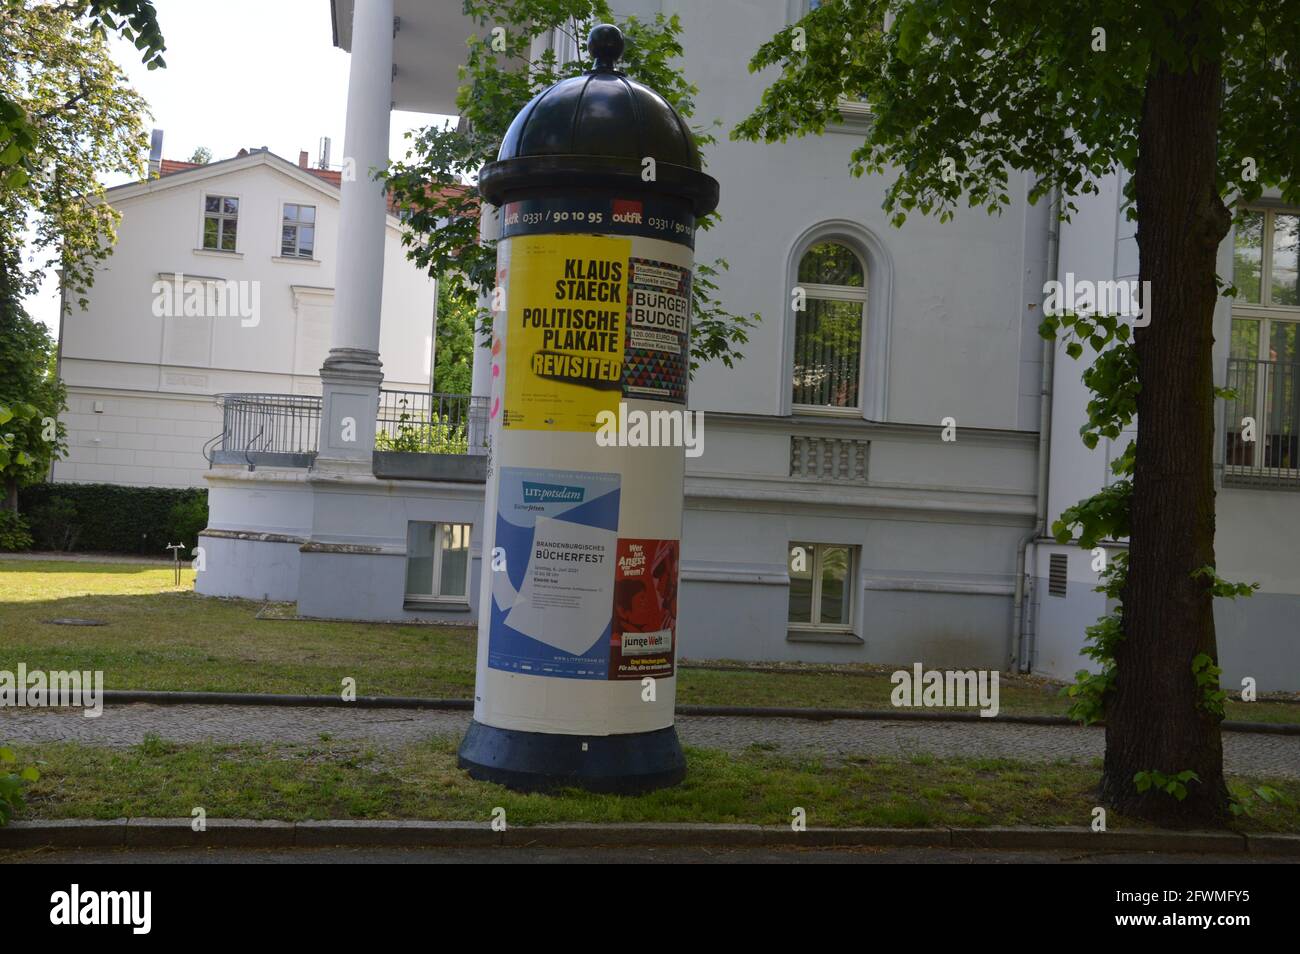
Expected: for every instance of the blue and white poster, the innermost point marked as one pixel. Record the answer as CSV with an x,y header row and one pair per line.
x,y
552,605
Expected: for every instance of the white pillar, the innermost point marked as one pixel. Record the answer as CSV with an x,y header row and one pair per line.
x,y
352,372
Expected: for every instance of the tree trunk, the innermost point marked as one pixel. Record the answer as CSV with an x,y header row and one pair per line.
x,y
1154,716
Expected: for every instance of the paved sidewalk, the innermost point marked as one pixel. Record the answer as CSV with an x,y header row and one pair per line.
x,y
123,725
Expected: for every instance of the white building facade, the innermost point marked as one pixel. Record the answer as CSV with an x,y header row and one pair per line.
x,y
222,281
878,473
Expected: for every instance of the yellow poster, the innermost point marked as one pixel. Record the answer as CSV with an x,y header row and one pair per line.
x,y
566,304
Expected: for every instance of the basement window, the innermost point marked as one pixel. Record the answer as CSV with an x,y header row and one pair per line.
x,y
821,587
437,562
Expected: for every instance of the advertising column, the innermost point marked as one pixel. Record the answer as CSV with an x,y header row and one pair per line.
x,y
598,187
578,610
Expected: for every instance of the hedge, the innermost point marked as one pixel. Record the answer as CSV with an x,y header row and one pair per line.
x,y
108,518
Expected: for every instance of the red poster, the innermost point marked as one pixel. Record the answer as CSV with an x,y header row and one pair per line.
x,y
644,638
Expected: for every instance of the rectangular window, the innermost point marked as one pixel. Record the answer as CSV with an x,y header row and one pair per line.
x,y
828,353
1266,258
298,231
220,222
821,586
1286,235
1262,418
437,561
1248,257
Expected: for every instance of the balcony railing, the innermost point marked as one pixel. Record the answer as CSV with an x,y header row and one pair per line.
x,y
275,430
1268,394
431,423
282,430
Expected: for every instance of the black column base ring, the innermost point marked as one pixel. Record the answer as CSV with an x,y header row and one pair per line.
x,y
625,764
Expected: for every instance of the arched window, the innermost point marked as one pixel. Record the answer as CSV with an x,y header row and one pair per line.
x,y
828,333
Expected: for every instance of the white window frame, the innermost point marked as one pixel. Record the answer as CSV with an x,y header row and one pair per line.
x,y
435,583
873,386
222,218
815,610
296,226
814,291
1265,307
1288,316
1264,312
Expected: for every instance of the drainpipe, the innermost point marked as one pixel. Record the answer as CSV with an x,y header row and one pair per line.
x,y
1022,639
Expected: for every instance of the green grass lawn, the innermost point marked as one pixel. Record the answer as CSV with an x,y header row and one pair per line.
x,y
347,780
163,637
160,636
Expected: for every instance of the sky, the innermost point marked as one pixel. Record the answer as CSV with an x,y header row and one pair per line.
x,y
242,74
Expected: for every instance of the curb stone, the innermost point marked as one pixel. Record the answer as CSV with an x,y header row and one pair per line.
x,y
168,697
783,836
1274,845
171,697
245,833
64,833
591,834
413,834
222,832
1087,839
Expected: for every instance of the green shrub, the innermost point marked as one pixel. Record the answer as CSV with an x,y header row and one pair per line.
x,y
437,436
12,784
185,521
54,524
14,533
107,518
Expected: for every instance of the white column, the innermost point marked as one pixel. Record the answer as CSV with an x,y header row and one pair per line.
x,y
352,372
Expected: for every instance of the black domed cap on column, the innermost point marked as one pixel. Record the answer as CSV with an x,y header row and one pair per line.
x,y
593,131
605,44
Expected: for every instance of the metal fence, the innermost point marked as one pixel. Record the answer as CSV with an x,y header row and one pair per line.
x,y
431,423
1261,422
283,429
268,429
